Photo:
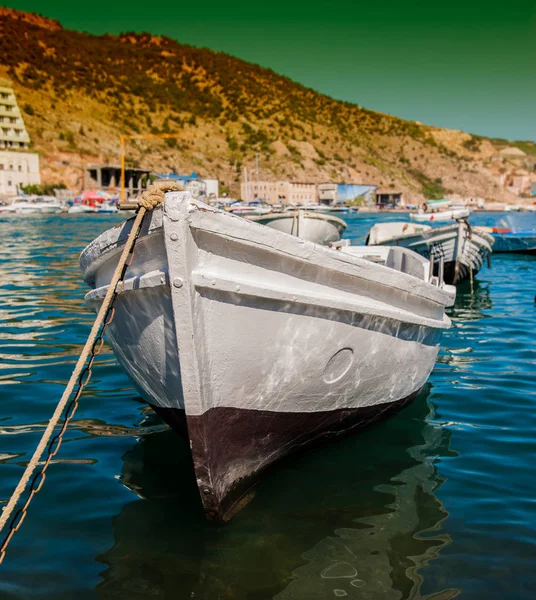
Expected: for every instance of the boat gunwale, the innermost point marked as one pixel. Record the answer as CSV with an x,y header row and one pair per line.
x,y
159,278
111,241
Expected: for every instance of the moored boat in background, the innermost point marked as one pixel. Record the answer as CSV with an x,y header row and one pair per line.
x,y
514,233
442,216
25,205
459,249
80,208
321,208
249,209
315,227
92,201
255,343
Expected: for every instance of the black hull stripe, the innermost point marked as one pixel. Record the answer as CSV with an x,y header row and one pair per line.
x,y
231,447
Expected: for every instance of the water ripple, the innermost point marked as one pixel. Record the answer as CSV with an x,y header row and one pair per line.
x,y
435,502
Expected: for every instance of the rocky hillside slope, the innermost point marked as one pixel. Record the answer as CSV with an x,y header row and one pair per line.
x,y
79,92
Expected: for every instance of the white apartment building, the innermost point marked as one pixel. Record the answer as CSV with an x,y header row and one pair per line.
x,y
16,168
13,133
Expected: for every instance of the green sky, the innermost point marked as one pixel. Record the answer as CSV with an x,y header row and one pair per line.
x,y
465,64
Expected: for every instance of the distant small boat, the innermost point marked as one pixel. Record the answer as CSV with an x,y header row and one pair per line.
x,y
514,233
335,209
106,207
459,249
315,227
93,207
254,208
321,208
81,208
440,203
441,216
254,343
521,241
25,205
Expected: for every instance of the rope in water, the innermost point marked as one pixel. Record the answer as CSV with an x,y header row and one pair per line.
x,y
149,200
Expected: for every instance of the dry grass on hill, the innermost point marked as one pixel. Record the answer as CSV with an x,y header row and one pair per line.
x,y
79,92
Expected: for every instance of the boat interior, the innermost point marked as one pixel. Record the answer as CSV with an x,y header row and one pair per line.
x,y
395,257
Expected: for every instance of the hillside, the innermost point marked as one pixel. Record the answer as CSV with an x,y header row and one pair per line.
x,y
79,92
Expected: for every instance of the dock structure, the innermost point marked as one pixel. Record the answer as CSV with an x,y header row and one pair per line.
x,y
389,198
109,177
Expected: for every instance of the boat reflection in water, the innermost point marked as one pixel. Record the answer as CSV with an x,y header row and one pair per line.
x,y
358,518
470,302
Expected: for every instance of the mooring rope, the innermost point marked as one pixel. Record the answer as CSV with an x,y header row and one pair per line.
x,y
471,277
154,196
149,200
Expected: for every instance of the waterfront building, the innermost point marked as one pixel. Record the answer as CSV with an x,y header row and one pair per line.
x,y
108,177
201,189
389,198
17,168
279,192
341,193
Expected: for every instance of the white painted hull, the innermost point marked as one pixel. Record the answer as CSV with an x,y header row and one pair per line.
x,y
80,208
258,343
106,208
84,208
440,217
27,210
31,209
51,210
462,248
315,227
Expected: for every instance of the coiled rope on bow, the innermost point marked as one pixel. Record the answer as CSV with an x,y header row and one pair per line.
x,y
150,199
154,196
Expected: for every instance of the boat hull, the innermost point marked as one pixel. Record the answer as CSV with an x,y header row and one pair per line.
x,y
80,209
440,217
51,210
515,243
315,227
463,249
255,344
255,440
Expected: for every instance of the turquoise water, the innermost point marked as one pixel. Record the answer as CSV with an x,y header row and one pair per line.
x,y
438,501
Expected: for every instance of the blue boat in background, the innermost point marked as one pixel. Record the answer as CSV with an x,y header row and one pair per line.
x,y
515,233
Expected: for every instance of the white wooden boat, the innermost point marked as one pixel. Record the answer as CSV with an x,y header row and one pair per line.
x,y
315,227
460,248
442,216
255,343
